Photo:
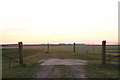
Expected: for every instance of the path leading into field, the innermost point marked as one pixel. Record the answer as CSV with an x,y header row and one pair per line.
x,y
61,68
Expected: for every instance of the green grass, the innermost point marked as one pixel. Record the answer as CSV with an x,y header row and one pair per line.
x,y
32,54
16,71
96,70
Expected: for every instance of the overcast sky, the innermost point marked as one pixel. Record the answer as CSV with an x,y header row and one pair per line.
x,y
54,21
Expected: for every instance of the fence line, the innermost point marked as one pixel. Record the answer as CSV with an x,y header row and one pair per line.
x,y
105,53
20,53
21,61
10,59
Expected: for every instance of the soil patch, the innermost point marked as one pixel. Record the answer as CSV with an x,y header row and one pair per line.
x,y
61,68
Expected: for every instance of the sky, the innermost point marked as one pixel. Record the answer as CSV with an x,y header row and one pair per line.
x,y
58,21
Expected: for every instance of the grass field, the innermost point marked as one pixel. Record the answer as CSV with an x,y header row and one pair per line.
x,y
32,54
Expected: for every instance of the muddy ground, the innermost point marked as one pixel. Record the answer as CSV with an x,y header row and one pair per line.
x,y
61,68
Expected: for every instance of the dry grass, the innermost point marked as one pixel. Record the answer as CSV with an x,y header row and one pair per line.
x,y
32,55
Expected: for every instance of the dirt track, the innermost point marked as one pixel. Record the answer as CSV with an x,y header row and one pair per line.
x,y
63,68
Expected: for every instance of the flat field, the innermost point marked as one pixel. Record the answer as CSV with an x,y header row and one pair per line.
x,y
32,55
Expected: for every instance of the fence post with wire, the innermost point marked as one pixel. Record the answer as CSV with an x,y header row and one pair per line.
x,y
110,52
103,52
20,44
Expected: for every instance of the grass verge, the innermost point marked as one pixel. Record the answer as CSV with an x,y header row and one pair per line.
x,y
94,69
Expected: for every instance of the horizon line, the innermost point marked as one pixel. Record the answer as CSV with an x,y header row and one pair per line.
x,y
113,43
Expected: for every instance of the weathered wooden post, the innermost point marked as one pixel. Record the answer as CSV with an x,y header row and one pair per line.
x,y
103,52
47,48
20,45
9,62
74,47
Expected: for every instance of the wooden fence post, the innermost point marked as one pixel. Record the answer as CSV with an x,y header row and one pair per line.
x,y
74,47
103,52
20,45
9,62
48,48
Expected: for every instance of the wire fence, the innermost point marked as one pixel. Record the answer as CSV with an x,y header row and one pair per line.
x,y
112,52
10,52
